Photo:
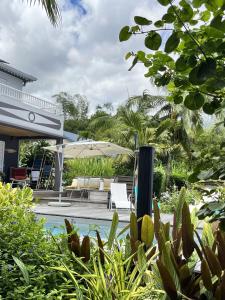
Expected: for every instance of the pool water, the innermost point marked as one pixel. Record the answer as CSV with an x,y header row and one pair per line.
x,y
55,224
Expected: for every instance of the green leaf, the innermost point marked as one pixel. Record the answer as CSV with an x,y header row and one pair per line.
x,y
182,63
193,177
218,23
23,269
172,42
186,13
133,226
135,28
141,56
125,34
159,23
208,108
142,21
213,32
156,219
153,40
179,207
213,262
128,55
100,246
167,280
177,99
142,261
113,229
147,230
194,100
187,232
135,60
168,18
206,275
205,15
194,78
206,69
164,2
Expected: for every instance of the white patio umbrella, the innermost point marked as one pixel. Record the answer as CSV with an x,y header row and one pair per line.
x,y
82,149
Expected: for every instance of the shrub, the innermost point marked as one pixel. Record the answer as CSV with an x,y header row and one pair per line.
x,y
158,183
96,167
175,267
22,236
170,199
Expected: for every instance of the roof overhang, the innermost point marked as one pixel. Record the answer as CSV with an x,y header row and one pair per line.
x,y
6,68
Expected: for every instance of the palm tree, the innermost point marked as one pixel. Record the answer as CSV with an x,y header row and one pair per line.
x,y
51,8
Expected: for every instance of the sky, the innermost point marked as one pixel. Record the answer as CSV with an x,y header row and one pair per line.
x,y
82,55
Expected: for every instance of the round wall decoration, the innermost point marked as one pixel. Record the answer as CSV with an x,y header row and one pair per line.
x,y
31,117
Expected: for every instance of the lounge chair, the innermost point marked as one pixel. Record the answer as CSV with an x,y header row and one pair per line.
x,y
119,196
19,176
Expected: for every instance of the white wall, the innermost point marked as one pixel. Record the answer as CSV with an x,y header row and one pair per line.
x,y
11,81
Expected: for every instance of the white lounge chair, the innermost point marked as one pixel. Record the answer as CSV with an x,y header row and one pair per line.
x,y
119,196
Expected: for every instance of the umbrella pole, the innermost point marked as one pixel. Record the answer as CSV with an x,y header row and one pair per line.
x,y
60,162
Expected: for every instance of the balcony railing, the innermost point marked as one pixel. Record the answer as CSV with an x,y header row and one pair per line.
x,y
10,92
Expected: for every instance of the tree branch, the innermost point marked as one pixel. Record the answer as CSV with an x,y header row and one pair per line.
x,y
187,30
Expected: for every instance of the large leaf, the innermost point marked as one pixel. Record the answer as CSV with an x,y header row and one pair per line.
x,y
213,262
187,232
85,248
156,219
75,244
23,269
100,246
125,34
69,227
218,22
172,42
179,207
133,226
153,40
206,69
168,18
167,281
147,230
194,78
142,21
208,108
164,2
113,229
194,100
206,275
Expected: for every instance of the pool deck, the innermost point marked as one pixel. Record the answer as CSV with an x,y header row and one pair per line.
x,y
88,211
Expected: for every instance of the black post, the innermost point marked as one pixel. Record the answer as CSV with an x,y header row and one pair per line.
x,y
145,181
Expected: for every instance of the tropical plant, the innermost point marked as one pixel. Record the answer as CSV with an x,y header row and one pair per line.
x,y
51,8
191,64
26,250
97,167
125,269
115,269
31,150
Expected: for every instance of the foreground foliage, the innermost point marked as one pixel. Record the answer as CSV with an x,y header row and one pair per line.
x,y
196,38
146,260
180,264
23,237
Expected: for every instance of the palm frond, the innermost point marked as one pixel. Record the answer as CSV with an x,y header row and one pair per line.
x,y
164,125
102,122
51,7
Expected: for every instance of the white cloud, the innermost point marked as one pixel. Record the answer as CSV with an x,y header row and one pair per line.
x,y
83,54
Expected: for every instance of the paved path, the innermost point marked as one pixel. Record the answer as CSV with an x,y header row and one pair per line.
x,y
89,211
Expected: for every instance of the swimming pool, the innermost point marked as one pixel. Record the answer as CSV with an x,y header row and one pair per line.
x,y
55,224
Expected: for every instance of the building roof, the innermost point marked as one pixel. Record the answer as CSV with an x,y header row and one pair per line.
x,y
5,67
